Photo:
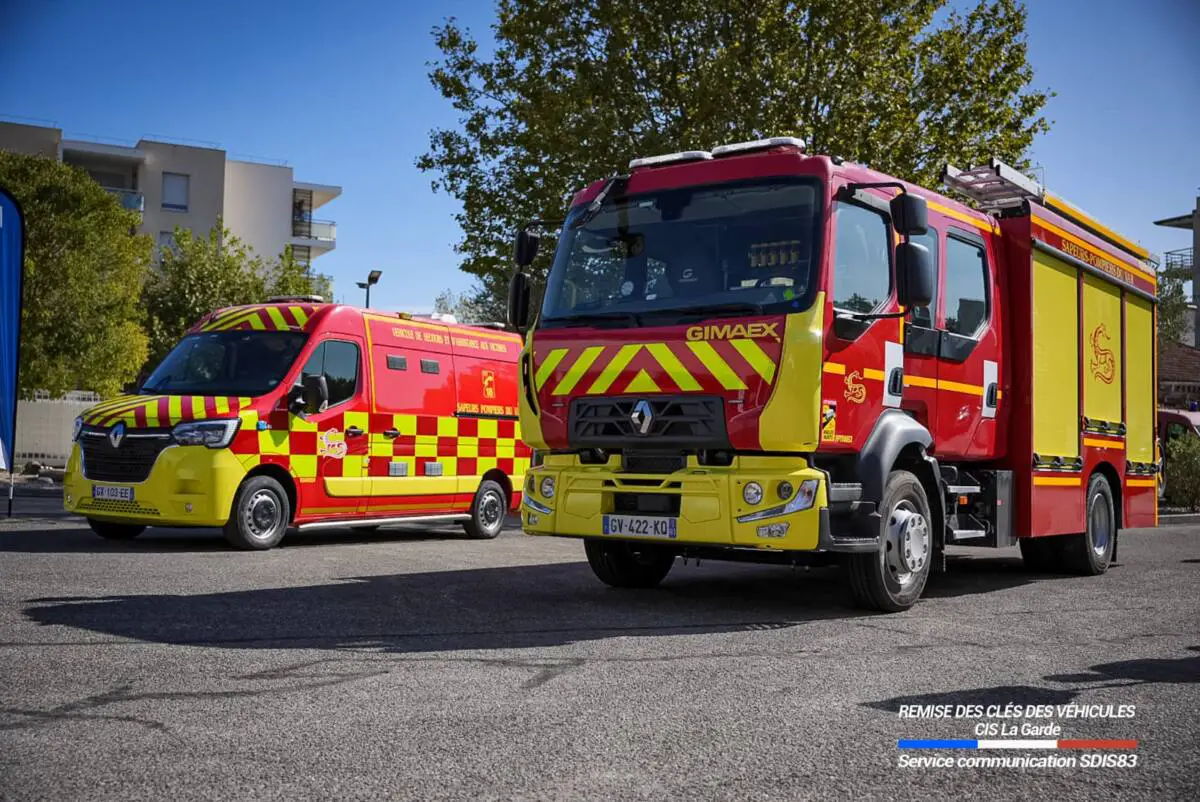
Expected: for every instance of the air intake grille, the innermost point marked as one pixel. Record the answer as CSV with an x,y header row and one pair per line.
x,y
652,463
664,422
129,462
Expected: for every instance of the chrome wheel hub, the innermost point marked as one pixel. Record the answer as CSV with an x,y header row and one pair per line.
x,y
1100,524
908,542
491,510
262,514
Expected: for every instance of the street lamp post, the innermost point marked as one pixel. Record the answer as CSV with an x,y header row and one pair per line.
x,y
372,278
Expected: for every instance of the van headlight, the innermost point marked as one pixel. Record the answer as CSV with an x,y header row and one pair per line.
x,y
78,429
211,433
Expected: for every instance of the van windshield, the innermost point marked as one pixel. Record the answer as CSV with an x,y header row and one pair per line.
x,y
226,363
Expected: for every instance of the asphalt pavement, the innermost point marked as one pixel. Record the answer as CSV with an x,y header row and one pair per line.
x,y
419,664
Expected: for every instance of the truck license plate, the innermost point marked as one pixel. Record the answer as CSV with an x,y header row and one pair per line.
x,y
112,493
639,526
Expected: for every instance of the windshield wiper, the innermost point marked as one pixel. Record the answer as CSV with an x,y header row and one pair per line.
x,y
597,317
597,203
713,310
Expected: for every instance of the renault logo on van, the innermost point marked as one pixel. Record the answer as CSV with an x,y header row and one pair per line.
x,y
116,434
641,417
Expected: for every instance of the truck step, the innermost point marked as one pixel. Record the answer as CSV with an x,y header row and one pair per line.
x,y
844,492
959,535
962,490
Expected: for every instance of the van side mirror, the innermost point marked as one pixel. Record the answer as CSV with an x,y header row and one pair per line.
x,y
525,249
910,214
316,392
914,275
518,301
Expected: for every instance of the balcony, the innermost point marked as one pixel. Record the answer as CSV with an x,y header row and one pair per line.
x,y
1179,260
315,236
133,201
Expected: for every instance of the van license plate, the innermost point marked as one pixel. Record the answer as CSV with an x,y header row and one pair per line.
x,y
639,526
112,493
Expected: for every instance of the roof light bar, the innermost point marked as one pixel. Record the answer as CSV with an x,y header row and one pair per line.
x,y
759,144
670,158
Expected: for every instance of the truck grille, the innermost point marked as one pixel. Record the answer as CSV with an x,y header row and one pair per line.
x,y
652,463
130,462
674,421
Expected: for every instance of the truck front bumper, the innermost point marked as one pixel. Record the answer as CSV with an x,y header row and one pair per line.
x,y
712,510
187,486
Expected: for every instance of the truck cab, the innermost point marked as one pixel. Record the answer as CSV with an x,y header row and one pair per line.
x,y
755,353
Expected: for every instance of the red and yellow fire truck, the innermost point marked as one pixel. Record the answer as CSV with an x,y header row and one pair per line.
x,y
755,353
310,414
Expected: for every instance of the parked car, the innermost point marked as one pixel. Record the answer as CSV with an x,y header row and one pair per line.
x,y
1172,424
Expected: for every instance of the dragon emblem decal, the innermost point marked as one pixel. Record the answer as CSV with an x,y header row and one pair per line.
x,y
1103,365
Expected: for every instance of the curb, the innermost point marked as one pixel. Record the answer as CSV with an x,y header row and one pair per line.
x,y
1179,519
33,491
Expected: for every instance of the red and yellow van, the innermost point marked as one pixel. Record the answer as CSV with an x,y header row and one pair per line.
x,y
295,413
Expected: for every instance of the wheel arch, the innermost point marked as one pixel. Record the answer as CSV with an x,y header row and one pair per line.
x,y
501,478
281,475
895,433
1109,472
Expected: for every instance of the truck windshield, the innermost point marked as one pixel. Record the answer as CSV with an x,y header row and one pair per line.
x,y
662,257
226,363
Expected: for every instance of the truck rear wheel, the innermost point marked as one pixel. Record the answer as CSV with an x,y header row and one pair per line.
x,y
628,565
110,530
891,579
487,511
261,513
1089,553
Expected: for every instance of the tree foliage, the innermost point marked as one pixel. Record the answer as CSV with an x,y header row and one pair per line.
x,y
84,271
575,88
1183,472
289,277
1173,303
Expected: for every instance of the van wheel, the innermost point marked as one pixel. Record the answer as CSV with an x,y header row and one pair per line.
x,y
628,565
261,513
891,579
115,531
1040,554
1089,553
487,511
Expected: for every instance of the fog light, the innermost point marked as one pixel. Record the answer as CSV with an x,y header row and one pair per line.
x,y
548,487
773,530
784,490
752,493
532,519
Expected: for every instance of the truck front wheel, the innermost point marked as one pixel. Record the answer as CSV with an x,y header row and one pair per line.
x,y
1089,552
628,565
891,579
261,513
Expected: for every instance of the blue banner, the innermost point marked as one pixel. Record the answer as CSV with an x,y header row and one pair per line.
x,y
12,274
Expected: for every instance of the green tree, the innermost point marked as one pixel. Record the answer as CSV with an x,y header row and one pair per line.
x,y
84,270
286,276
574,88
1183,472
196,275
1172,303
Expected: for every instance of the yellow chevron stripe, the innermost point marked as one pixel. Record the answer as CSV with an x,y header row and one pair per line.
x,y
277,318
300,315
613,369
717,366
222,318
175,408
576,371
256,321
234,320
117,410
197,406
757,358
642,383
222,406
674,368
548,365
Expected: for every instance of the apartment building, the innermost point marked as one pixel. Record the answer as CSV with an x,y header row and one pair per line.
x,y
190,186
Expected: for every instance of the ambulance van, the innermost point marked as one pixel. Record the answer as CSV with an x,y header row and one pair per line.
x,y
307,415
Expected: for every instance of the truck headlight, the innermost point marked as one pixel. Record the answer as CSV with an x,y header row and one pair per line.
x,y
752,493
803,499
548,487
78,429
211,433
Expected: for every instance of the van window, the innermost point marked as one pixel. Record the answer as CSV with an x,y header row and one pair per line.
x,y
395,362
861,274
430,366
966,287
338,360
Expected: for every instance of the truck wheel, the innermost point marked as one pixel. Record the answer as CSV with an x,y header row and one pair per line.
x,y
1089,553
628,565
115,531
487,511
891,579
1040,554
261,513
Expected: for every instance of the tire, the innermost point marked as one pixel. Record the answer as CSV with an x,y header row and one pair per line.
x,y
628,565
891,579
1040,554
487,511
261,514
110,530
1090,552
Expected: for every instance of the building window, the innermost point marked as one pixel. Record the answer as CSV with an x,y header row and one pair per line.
x,y
861,280
966,287
175,192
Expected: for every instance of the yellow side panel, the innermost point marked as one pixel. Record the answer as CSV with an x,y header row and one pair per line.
x,y
1101,349
1055,357
1139,381
790,420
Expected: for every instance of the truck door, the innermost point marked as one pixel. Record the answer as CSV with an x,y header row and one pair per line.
x,y
341,429
922,341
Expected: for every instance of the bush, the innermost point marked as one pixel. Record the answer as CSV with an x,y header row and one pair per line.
x,y
1183,472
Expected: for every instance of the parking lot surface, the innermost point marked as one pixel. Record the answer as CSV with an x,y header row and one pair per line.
x,y
419,664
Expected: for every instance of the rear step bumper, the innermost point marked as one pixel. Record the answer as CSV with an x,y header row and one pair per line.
x,y
857,531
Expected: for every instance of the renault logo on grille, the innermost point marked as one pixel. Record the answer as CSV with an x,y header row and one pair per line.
x,y
116,434
641,417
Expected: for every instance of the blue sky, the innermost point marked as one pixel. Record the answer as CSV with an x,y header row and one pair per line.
x,y
340,92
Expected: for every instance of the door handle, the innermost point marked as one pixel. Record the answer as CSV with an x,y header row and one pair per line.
x,y
354,431
896,381
391,434
993,394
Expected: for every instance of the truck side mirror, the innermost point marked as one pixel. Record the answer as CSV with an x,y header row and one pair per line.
x,y
910,214
316,392
518,301
526,247
914,275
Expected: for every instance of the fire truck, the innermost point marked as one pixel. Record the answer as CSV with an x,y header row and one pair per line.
x,y
301,413
754,353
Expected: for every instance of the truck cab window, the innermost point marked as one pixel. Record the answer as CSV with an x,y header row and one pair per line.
x,y
924,316
338,360
966,287
861,273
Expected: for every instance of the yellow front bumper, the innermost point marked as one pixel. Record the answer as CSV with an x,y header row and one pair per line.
x,y
188,486
710,501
